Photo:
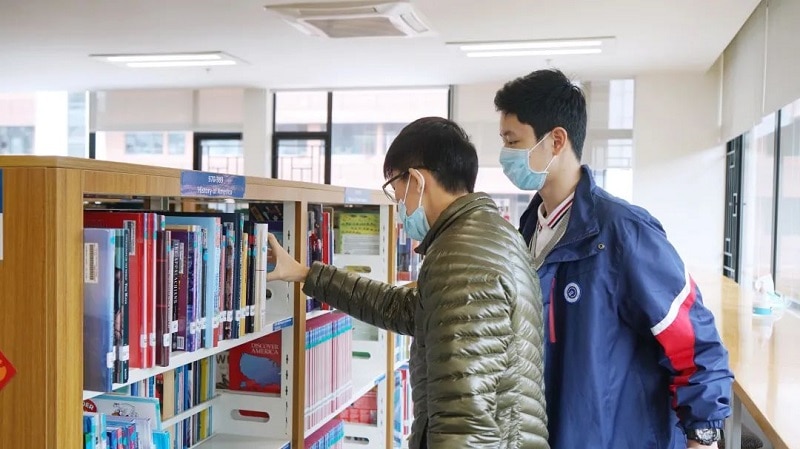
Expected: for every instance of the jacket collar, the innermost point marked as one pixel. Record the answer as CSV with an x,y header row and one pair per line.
x,y
577,242
452,213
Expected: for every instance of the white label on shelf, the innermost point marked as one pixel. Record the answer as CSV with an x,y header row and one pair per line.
x,y
216,321
173,326
166,340
110,359
230,316
252,310
143,341
124,353
91,273
203,324
192,327
181,344
238,315
153,339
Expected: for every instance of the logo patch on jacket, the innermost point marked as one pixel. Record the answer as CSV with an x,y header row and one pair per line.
x,y
572,292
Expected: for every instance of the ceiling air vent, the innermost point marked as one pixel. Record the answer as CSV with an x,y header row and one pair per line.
x,y
353,19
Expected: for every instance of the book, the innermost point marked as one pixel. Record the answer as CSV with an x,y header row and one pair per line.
x,y
99,347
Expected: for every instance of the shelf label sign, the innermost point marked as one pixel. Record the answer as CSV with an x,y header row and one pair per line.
x,y
282,324
1,214
356,196
219,185
7,371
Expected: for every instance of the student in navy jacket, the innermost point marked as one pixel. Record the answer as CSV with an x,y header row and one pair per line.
x,y
632,358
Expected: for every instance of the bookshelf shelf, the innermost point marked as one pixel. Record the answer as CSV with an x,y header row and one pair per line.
x,y
191,412
317,313
367,434
367,375
227,441
183,358
401,364
44,199
327,419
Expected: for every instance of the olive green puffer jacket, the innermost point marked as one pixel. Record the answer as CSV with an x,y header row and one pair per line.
x,y
476,318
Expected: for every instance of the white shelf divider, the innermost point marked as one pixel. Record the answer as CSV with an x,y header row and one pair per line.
x,y
188,413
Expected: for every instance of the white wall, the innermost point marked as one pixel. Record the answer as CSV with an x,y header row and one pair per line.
x,y
679,163
257,132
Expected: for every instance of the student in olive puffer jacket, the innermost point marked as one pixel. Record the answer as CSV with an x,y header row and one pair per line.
x,y
476,315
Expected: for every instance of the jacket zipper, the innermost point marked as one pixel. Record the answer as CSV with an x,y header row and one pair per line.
x,y
552,318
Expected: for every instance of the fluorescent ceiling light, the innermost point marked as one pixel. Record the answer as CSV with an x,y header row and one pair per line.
x,y
587,46
158,58
139,65
555,52
531,45
205,59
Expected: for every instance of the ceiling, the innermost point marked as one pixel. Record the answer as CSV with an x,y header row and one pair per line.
x,y
45,44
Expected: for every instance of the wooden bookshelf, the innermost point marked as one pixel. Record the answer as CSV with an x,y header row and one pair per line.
x,y
41,288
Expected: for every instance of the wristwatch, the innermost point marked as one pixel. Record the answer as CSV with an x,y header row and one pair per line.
x,y
704,436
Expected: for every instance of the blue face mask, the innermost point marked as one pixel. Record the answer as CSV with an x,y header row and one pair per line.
x,y
516,166
415,225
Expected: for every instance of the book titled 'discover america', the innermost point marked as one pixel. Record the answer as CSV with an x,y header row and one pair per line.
x,y
256,366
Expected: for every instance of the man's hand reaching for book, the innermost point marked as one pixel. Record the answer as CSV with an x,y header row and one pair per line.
x,y
286,268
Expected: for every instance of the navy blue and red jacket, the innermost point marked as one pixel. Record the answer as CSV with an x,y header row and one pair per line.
x,y
632,357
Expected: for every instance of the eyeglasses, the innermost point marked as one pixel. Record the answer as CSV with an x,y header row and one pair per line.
x,y
388,190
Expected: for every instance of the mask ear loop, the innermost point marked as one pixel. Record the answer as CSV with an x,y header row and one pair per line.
x,y
531,151
422,183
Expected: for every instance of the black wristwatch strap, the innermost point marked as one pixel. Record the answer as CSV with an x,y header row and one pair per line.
x,y
706,437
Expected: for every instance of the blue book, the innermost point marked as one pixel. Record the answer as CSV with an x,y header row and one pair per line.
x,y
212,227
99,352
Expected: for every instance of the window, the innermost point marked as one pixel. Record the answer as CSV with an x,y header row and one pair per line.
x,y
620,104
176,143
16,139
303,111
758,201
77,133
144,143
365,123
787,267
161,149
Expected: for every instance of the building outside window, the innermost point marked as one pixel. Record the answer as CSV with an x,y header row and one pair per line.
x,y
170,149
787,267
51,123
758,201
364,124
16,139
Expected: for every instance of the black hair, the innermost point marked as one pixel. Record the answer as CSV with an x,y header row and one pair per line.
x,y
546,99
438,145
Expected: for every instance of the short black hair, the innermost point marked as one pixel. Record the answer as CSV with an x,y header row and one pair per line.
x,y
438,145
546,99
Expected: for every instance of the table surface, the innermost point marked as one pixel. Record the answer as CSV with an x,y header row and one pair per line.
x,y
764,356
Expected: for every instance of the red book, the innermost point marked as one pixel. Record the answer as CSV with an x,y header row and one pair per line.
x,y
256,366
135,222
